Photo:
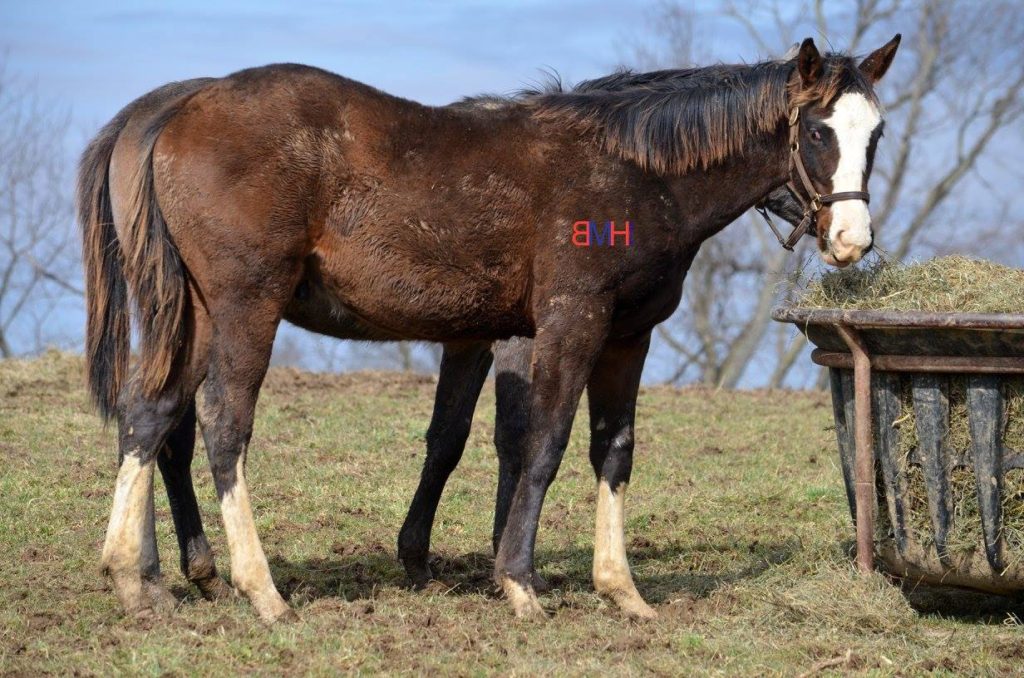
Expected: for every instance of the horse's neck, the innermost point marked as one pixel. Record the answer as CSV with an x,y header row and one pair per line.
x,y
712,198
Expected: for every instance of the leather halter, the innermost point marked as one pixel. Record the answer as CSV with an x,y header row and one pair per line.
x,y
811,201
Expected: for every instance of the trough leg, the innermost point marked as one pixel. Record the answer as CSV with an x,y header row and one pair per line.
x,y
864,463
885,393
931,409
985,417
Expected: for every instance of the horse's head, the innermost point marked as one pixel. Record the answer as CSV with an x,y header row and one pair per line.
x,y
835,124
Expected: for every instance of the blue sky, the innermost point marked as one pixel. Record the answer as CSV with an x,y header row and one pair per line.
x,y
92,58
96,56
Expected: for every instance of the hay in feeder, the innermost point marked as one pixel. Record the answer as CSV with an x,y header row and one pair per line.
x,y
965,535
945,284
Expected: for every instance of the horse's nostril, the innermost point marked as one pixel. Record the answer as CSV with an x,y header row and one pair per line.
x,y
839,236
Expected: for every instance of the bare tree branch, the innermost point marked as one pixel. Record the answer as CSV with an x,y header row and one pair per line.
x,y
953,92
37,264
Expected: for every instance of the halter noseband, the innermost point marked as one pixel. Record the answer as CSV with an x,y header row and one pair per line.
x,y
814,201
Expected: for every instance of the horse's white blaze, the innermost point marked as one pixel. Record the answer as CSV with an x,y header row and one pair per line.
x,y
853,120
249,570
611,568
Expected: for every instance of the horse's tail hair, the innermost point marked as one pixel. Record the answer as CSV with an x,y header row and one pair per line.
x,y
144,263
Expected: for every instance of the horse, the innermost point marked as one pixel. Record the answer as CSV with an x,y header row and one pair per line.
x,y
463,370
212,211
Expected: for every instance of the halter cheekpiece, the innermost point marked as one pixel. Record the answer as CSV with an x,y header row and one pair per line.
x,y
813,201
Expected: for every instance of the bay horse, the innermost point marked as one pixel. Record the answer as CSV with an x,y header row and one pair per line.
x,y
211,210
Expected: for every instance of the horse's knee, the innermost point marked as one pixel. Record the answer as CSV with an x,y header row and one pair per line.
x,y
224,456
612,456
226,434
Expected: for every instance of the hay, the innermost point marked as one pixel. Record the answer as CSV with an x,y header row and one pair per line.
x,y
965,535
835,596
944,284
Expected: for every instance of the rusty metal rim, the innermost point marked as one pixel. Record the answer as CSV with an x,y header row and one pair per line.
x,y
921,363
910,319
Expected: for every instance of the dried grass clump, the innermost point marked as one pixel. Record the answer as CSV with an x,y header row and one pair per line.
x,y
836,596
945,284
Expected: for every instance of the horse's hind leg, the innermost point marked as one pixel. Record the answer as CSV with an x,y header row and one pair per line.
x,y
129,551
464,368
243,336
612,392
175,464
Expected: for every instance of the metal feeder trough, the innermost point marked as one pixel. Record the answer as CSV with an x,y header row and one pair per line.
x,y
874,358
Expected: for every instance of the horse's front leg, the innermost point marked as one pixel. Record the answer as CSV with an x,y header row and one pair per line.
x,y
570,335
464,369
611,394
511,419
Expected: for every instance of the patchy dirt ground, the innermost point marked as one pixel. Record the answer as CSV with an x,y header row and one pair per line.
x,y
736,521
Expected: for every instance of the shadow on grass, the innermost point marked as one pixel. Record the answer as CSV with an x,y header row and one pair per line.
x,y
963,605
354,573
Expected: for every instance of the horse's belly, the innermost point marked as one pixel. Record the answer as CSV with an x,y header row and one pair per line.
x,y
418,298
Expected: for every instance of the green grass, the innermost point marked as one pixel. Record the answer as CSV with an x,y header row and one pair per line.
x,y
736,520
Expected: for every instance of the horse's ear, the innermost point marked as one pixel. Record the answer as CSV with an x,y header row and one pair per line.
x,y
878,62
809,63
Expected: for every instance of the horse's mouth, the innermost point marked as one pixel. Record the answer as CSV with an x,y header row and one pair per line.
x,y
831,260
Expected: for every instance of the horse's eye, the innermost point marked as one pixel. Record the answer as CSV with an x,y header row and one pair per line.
x,y
816,135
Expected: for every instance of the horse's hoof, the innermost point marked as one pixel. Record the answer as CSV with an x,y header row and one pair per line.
x,y
540,585
523,599
289,616
270,606
213,588
201,570
634,607
160,599
419,572
131,591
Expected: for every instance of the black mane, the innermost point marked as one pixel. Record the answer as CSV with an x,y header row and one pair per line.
x,y
671,121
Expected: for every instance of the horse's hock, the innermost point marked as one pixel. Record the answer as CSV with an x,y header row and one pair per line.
x,y
942,439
